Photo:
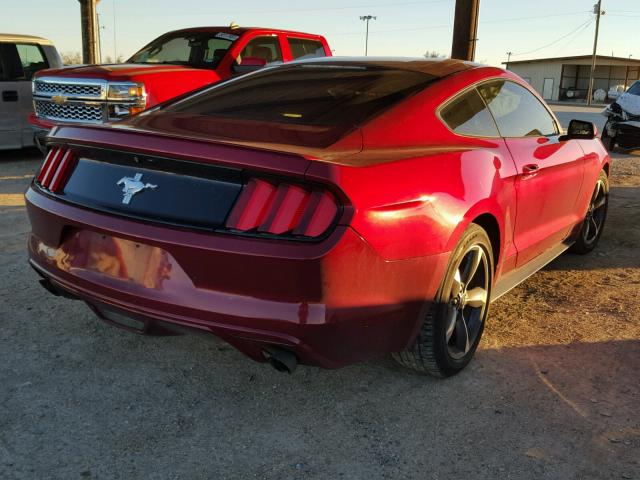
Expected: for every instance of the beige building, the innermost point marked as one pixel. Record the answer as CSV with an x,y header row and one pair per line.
x,y
567,78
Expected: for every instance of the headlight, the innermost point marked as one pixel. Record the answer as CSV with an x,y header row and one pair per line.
x,y
125,99
133,92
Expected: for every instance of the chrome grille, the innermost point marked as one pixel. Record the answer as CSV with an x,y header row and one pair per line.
x,y
72,111
68,89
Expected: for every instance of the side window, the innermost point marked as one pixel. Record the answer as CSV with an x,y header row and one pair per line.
x,y
2,62
304,48
468,115
215,50
11,65
261,49
31,58
517,111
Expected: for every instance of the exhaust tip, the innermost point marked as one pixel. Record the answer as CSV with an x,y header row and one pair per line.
x,y
281,359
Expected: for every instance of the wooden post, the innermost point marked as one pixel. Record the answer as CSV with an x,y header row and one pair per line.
x,y
88,20
465,30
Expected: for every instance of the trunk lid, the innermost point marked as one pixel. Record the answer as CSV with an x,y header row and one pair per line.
x,y
191,183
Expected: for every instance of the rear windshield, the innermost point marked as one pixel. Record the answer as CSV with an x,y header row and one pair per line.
x,y
194,49
317,95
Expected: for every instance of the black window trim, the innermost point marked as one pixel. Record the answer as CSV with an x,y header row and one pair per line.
x,y
476,86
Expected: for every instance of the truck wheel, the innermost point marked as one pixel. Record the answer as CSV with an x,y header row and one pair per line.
x,y
452,327
608,141
596,215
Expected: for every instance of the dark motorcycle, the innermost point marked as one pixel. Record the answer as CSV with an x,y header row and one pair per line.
x,y
622,130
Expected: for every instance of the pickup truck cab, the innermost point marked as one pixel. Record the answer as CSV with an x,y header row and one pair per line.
x,y
21,56
171,65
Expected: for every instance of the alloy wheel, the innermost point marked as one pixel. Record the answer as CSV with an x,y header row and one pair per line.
x,y
596,213
468,301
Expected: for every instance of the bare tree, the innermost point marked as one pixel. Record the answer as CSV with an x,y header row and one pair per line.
x,y
434,54
109,59
71,58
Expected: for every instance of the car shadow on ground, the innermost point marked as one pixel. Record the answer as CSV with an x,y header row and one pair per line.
x,y
618,246
107,402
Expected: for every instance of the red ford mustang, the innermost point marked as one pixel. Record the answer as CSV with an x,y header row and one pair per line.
x,y
323,212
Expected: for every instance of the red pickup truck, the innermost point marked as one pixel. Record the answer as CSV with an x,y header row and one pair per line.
x,y
173,64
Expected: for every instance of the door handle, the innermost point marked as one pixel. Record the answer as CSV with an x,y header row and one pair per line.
x,y
9,95
530,168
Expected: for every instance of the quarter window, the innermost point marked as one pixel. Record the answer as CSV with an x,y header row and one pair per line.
x,y
468,115
517,111
304,48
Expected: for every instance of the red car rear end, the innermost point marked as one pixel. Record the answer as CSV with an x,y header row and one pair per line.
x,y
289,227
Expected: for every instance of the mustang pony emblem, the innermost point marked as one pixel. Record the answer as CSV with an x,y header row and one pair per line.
x,y
132,186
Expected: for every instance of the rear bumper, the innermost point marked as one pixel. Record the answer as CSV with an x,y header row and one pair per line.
x,y
333,303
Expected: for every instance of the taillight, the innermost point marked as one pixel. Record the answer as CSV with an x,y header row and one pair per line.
x,y
55,169
282,209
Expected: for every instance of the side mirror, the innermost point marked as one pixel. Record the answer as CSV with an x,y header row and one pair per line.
x,y
580,130
249,64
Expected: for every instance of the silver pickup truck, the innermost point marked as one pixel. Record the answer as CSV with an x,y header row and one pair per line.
x,y
20,57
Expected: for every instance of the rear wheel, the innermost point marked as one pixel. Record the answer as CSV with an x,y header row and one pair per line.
x,y
452,327
596,215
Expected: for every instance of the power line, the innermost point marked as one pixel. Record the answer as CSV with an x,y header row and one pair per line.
x,y
450,25
580,27
572,39
324,9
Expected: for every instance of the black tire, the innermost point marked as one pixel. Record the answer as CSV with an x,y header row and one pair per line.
x,y
608,142
437,350
594,221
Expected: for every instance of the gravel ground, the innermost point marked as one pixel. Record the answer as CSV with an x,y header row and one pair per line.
x,y
552,393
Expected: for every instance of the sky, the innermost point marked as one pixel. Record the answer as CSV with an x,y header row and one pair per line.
x,y
528,29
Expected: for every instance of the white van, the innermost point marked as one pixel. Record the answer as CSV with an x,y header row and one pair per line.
x,y
20,57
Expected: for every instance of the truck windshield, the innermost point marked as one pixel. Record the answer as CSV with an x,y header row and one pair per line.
x,y
319,95
204,50
634,89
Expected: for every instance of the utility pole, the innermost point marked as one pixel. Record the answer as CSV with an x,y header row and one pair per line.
x,y
465,29
99,38
88,20
115,50
367,18
597,9
508,59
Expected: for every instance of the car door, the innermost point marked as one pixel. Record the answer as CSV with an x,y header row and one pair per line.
x,y
549,171
19,61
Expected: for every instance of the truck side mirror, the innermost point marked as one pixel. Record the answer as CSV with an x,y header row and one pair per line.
x,y
580,130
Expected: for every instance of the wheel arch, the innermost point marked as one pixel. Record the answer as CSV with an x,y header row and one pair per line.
x,y
493,220
489,224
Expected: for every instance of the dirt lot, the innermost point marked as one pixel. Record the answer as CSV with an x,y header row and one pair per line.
x,y
554,391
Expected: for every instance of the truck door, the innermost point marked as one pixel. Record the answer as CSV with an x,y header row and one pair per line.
x,y
18,63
